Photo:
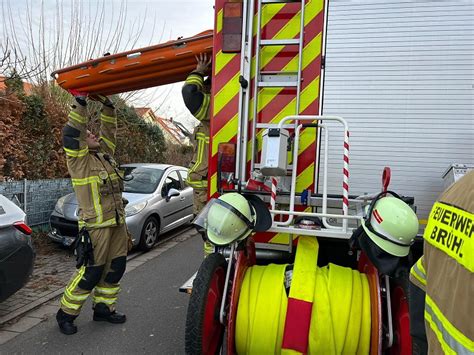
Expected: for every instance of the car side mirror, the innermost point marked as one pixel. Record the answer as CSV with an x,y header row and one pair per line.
x,y
172,193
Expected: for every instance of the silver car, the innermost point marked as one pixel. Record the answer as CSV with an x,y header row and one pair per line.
x,y
158,201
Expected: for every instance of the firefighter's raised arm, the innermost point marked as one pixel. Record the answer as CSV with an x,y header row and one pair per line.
x,y
75,132
196,92
108,124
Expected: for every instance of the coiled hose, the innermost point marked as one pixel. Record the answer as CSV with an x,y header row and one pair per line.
x,y
340,314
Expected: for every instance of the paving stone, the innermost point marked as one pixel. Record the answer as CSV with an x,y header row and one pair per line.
x,y
7,336
44,311
23,324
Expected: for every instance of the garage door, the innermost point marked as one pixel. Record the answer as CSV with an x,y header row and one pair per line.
x,y
401,74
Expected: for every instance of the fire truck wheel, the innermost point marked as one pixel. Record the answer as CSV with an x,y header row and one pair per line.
x,y
402,342
204,332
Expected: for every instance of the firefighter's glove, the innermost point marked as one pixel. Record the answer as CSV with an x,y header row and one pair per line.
x,y
84,251
104,100
79,96
203,64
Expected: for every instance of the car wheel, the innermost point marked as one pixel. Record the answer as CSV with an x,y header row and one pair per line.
x,y
149,234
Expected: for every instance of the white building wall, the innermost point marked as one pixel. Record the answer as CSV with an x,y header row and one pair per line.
x,y
402,74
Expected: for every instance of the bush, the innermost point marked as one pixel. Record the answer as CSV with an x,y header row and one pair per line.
x,y
31,128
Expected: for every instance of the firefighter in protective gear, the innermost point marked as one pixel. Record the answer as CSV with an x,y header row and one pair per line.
x,y
442,281
98,187
233,217
197,96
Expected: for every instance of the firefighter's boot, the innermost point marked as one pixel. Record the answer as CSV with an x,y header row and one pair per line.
x,y
66,322
102,313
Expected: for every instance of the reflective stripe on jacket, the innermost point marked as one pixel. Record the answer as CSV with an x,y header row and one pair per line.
x,y
94,176
446,271
198,103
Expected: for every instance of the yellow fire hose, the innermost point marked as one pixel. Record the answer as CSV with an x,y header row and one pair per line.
x,y
340,313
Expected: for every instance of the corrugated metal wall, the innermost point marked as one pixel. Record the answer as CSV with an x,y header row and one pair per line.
x,y
402,74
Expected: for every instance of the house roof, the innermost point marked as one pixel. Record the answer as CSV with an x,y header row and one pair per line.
x,y
141,111
168,125
28,87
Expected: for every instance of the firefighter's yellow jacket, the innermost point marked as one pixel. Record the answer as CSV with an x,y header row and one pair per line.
x,y
198,102
94,174
446,271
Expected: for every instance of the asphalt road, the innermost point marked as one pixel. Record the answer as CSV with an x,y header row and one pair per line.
x,y
156,313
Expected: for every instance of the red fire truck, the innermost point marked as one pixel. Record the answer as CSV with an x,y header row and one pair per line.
x,y
301,286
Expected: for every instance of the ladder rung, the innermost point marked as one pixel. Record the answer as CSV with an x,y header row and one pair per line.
x,y
279,42
272,125
278,1
263,84
287,73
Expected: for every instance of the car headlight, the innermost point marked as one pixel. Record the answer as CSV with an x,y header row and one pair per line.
x,y
131,210
59,205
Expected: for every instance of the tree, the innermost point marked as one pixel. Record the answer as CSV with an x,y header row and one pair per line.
x,y
47,35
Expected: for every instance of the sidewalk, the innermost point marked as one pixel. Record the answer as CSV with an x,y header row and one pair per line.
x,y
54,266
50,274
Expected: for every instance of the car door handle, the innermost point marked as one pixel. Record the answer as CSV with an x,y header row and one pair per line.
x,y
182,198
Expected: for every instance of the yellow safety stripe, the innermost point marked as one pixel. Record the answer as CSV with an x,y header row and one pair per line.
x,y
97,204
108,290
76,280
105,300
197,184
77,117
451,339
451,230
108,119
418,272
202,141
67,304
195,79
202,113
69,290
91,179
79,298
108,223
85,181
109,143
76,153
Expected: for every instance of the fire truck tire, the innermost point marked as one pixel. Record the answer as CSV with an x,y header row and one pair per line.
x,y
400,315
204,332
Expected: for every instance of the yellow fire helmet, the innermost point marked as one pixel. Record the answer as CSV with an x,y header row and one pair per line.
x,y
391,224
232,217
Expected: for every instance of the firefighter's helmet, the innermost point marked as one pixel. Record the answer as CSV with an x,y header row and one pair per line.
x,y
391,224
232,217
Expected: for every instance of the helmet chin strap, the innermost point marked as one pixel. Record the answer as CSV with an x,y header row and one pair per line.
x,y
250,224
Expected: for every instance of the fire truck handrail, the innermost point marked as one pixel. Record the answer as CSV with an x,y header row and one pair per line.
x,y
345,193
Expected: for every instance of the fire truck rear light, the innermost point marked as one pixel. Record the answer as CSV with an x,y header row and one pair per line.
x,y
226,154
233,9
232,27
22,227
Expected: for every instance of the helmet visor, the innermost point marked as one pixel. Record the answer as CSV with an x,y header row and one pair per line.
x,y
223,223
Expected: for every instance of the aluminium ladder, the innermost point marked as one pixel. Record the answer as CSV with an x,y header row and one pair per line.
x,y
263,79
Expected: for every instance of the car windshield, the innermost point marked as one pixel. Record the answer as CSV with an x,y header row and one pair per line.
x,y
145,180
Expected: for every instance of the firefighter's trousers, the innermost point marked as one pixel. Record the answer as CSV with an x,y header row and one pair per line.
x,y
110,258
200,200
